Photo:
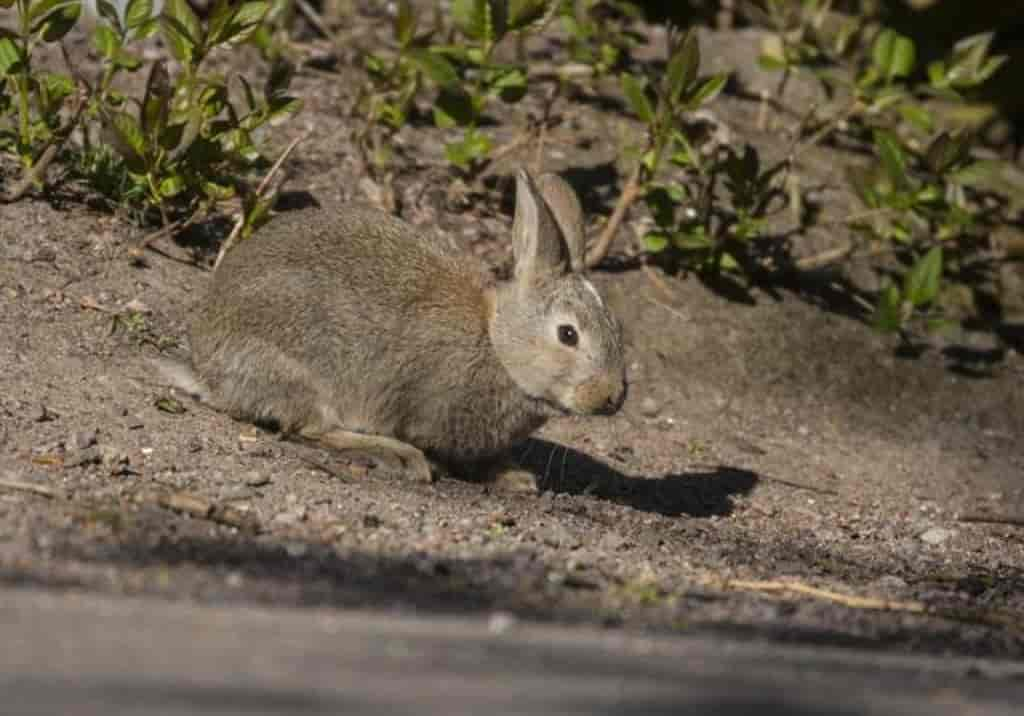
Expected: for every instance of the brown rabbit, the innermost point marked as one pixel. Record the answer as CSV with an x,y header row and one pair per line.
x,y
348,326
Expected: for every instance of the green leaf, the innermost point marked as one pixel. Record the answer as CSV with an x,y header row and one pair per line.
x,y
771,63
106,41
655,243
280,78
946,151
281,107
635,90
182,30
156,102
893,158
244,22
509,84
683,66
11,56
473,146
524,13
921,284
172,186
694,240
978,172
405,23
916,115
138,12
709,90
57,18
480,20
728,262
127,139
453,106
108,12
893,55
436,67
889,310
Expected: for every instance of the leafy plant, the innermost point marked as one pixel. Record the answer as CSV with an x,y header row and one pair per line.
x,y
921,193
30,100
479,80
683,206
186,140
599,33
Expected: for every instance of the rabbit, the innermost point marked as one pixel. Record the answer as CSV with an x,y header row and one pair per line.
x,y
347,326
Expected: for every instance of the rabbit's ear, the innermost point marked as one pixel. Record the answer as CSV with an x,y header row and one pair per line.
x,y
536,238
568,213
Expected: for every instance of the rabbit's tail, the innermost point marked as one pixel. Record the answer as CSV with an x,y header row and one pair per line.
x,y
180,375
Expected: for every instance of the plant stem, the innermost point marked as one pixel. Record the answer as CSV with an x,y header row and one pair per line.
x,y
630,193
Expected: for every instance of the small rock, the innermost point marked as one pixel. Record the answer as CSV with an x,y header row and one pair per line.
x,y
82,439
80,458
296,550
371,521
290,517
890,583
239,492
113,455
137,306
650,407
936,535
612,542
254,479
500,622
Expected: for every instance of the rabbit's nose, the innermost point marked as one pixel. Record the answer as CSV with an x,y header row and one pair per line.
x,y
614,402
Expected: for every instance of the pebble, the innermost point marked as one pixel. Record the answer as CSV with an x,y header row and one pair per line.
x,y
936,535
290,517
500,622
254,479
612,541
82,439
650,407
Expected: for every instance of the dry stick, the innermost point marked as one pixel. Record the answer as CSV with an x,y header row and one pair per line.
x,y
974,616
977,517
196,506
314,18
629,194
33,173
40,490
240,222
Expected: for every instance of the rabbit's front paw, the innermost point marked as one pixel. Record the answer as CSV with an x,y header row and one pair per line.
x,y
510,477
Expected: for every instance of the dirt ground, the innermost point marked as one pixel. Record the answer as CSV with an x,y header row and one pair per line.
x,y
769,439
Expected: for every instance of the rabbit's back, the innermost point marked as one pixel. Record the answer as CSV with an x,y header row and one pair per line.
x,y
348,316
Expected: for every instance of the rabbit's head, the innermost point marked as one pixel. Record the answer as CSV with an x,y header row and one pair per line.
x,y
551,328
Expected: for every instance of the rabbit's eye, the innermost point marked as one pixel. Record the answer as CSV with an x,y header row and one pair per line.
x,y
567,335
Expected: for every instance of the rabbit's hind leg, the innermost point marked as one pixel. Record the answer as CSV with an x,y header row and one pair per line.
x,y
402,455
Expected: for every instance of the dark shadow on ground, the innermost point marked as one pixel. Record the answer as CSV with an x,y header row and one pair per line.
x,y
696,494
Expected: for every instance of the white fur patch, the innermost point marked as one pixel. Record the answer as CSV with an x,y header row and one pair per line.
x,y
594,291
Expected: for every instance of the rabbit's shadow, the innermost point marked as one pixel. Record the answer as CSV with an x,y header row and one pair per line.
x,y
562,469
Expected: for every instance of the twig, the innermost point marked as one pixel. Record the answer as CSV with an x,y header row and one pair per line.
x,y
503,151
35,489
314,18
236,232
988,617
799,485
198,507
980,518
630,192
38,169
